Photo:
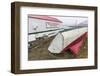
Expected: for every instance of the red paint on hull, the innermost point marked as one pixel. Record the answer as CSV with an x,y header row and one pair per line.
x,y
75,45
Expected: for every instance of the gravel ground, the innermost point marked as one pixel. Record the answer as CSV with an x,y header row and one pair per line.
x,y
39,51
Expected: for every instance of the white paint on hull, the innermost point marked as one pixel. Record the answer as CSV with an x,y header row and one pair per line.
x,y
63,39
31,38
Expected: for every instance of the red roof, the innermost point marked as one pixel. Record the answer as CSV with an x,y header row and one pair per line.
x,y
44,17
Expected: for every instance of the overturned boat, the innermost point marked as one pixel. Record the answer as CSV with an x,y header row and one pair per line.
x,y
71,39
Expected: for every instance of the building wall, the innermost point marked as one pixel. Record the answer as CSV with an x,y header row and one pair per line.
x,y
37,25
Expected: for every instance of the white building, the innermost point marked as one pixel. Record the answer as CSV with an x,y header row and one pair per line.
x,y
39,25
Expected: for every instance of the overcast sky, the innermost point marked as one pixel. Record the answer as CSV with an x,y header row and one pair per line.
x,y
72,21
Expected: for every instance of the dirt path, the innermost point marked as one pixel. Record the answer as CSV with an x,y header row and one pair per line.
x,y
39,51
